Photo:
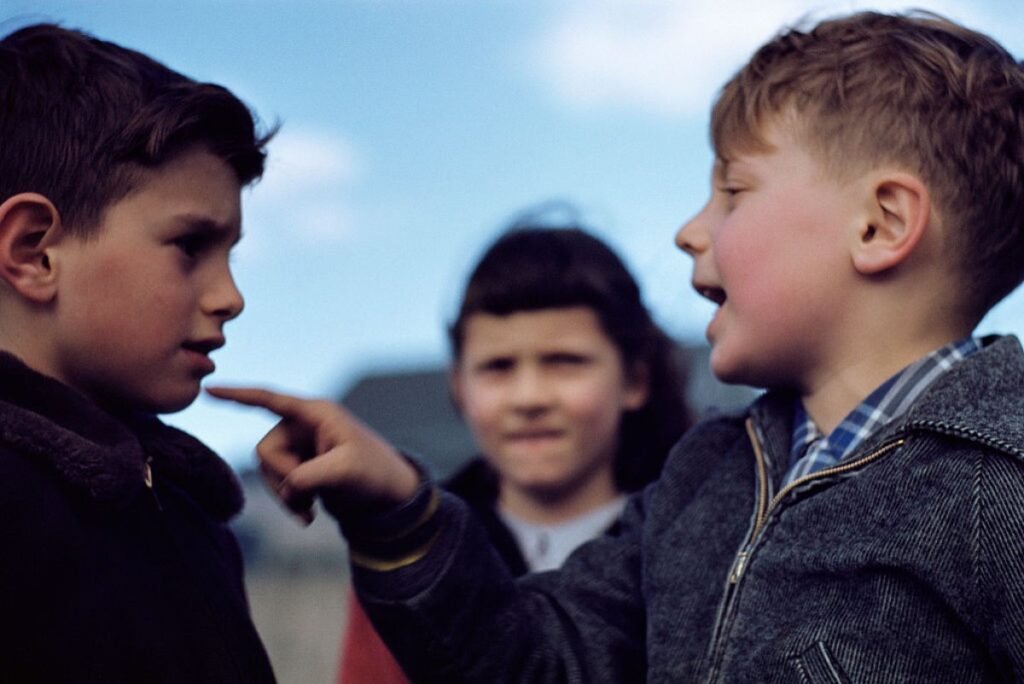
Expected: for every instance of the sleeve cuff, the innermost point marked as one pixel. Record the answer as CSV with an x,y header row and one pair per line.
x,y
399,537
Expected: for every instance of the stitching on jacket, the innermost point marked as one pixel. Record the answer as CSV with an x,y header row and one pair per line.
x,y
968,433
976,523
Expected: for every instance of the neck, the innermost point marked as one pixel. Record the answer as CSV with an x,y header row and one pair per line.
x,y
552,506
887,322
22,336
831,399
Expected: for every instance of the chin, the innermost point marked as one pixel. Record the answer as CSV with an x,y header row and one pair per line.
x,y
168,403
551,491
724,368
737,375
538,479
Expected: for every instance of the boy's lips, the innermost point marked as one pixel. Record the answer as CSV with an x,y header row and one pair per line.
x,y
717,296
714,294
533,434
199,351
204,346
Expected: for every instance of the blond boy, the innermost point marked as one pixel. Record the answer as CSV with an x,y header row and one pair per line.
x,y
862,520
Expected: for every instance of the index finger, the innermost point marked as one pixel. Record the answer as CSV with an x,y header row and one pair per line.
x,y
284,405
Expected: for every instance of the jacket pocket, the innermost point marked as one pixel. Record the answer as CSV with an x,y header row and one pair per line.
x,y
817,665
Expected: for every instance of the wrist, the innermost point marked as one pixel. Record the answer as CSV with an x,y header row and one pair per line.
x,y
387,538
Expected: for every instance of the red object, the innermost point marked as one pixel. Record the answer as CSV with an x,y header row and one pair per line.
x,y
364,657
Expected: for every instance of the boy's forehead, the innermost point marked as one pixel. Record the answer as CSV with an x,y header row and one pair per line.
x,y
737,137
719,168
724,164
743,146
196,191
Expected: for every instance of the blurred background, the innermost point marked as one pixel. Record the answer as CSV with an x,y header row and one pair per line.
x,y
412,132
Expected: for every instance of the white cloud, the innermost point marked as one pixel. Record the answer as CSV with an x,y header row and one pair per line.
x,y
305,160
671,56
303,192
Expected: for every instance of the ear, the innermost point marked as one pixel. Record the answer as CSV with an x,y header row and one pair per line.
x,y
638,387
29,223
898,217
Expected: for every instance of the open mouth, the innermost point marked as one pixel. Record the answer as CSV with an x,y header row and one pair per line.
x,y
715,294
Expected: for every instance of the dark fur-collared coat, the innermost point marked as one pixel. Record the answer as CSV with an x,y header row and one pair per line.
x,y
116,564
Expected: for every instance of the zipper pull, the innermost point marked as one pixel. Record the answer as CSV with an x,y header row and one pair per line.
x,y
738,566
147,477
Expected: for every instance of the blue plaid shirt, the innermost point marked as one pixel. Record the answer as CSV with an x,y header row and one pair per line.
x,y
811,450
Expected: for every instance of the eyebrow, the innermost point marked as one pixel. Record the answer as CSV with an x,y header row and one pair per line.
x,y
204,224
720,169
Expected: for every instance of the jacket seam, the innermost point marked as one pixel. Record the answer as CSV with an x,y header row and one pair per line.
x,y
976,524
969,434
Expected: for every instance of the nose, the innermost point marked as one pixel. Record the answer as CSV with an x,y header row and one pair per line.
x,y
223,299
693,237
530,390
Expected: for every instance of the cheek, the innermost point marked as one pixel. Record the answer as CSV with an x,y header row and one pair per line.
x,y
595,408
481,408
754,285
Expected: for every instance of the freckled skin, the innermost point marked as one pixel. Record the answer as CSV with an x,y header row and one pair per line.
x,y
142,303
770,244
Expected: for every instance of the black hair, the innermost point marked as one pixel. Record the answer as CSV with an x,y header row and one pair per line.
x,y
532,267
80,118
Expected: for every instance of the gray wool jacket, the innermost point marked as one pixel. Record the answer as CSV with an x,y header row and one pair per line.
x,y
903,564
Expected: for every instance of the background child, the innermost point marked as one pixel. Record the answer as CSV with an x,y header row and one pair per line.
x,y
861,521
119,205
572,393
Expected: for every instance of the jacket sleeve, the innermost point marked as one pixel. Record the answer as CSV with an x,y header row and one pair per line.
x,y
457,615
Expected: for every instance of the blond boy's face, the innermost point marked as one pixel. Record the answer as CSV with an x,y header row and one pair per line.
x,y
143,303
770,248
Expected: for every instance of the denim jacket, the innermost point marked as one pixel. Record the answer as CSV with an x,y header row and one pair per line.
x,y
904,563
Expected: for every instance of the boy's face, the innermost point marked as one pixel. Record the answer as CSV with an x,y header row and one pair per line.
x,y
770,248
543,393
142,303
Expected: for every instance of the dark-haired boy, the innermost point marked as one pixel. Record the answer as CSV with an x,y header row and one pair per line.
x,y
862,522
119,204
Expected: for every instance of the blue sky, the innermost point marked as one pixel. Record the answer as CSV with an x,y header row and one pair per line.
x,y
412,130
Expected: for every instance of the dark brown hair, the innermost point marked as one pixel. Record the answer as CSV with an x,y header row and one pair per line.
x,y
532,267
81,117
913,90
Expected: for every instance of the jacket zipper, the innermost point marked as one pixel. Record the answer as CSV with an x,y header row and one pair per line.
x,y
760,512
764,510
825,472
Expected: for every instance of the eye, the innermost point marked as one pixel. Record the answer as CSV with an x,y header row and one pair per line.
x,y
495,365
731,193
567,359
191,244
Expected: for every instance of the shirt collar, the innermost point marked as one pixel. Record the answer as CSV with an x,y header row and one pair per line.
x,y
810,450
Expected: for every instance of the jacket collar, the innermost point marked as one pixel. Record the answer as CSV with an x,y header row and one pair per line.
x,y
101,455
978,399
